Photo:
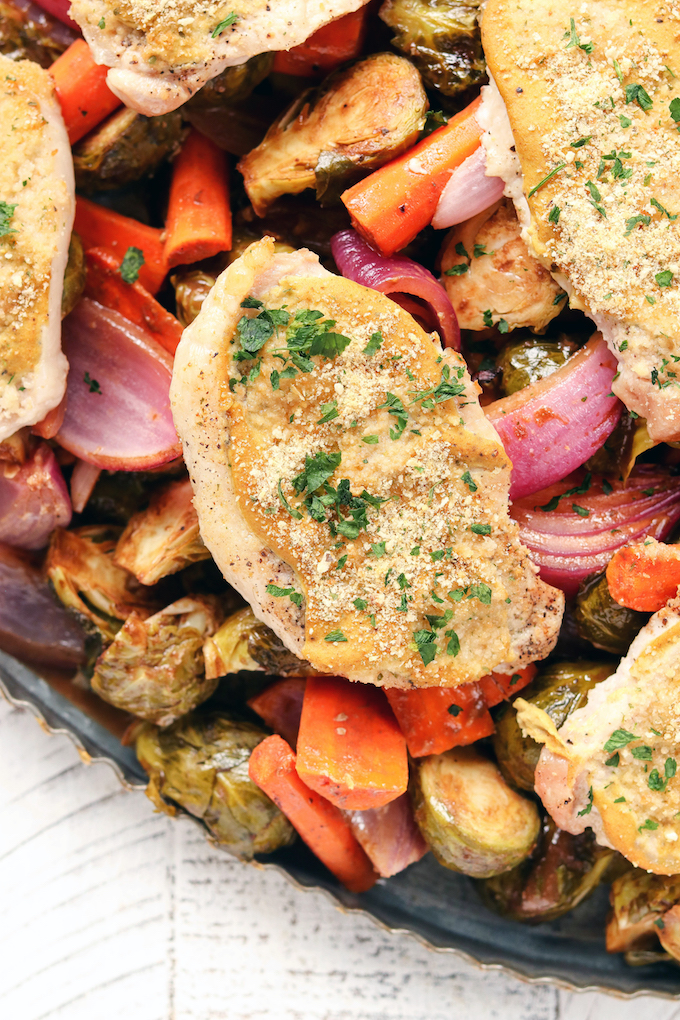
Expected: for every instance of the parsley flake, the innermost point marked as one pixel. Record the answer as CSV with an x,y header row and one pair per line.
x,y
227,23
589,806
133,260
6,214
635,93
92,383
335,636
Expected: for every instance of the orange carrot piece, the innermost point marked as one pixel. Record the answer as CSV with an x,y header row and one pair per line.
x,y
644,576
435,719
350,748
105,285
327,48
103,228
321,825
497,687
52,422
280,705
396,202
81,89
199,215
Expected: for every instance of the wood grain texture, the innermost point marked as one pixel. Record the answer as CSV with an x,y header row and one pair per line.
x,y
108,910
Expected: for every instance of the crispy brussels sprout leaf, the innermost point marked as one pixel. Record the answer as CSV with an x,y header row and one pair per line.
x,y
80,566
244,642
126,147
639,901
163,538
201,763
154,668
602,621
358,118
74,275
471,820
233,85
442,39
562,872
526,361
559,689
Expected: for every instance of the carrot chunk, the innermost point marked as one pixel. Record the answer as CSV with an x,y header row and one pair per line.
x,y
321,825
435,719
396,202
350,748
497,687
327,48
81,89
280,705
199,215
105,285
644,576
103,228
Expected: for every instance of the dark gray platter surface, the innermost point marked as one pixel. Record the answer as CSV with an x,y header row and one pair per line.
x,y
439,907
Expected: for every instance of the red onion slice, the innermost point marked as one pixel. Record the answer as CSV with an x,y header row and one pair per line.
x,y
83,480
33,500
468,192
568,544
57,9
33,623
389,835
400,279
118,411
554,425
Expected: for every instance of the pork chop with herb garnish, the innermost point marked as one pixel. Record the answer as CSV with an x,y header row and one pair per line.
x,y
347,482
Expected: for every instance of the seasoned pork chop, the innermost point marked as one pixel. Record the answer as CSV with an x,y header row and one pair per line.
x,y
162,51
612,765
593,98
347,482
36,217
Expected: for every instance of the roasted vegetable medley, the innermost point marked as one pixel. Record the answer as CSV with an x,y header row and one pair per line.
x,y
320,461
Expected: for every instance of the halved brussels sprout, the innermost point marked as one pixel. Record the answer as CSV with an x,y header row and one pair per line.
x,y
559,689
622,447
470,818
124,148
29,33
244,642
201,763
442,39
74,275
80,566
358,118
639,901
154,668
602,621
192,287
233,85
163,538
528,360
562,872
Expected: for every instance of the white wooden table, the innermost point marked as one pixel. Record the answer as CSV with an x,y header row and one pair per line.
x,y
109,911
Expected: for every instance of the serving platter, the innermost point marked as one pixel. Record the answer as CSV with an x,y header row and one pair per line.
x,y
440,908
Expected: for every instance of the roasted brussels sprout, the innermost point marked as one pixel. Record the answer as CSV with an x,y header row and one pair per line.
x,y
163,538
191,289
442,39
29,33
154,668
201,763
623,446
124,148
357,119
639,902
74,275
470,818
233,85
491,277
602,621
528,360
244,642
559,689
80,566
562,871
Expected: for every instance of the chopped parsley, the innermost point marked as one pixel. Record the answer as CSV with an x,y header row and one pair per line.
x,y
92,383
619,738
674,110
454,710
625,122
316,471
453,646
655,782
613,762
227,23
648,824
458,270
294,596
374,344
479,250
642,753
503,326
360,604
596,198
133,260
445,390
548,177
6,214
662,209
574,40
664,279
488,317
670,768
554,215
635,93
426,646
582,511
328,412
378,549
633,221
286,505
581,142
341,562
469,481
480,529
589,806
370,440
395,406
335,636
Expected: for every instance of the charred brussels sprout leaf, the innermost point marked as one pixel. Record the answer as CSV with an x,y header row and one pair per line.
x,y
602,621
639,902
562,871
126,147
358,118
470,818
559,690
233,85
74,275
526,361
442,39
201,763
80,566
244,642
163,538
154,668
